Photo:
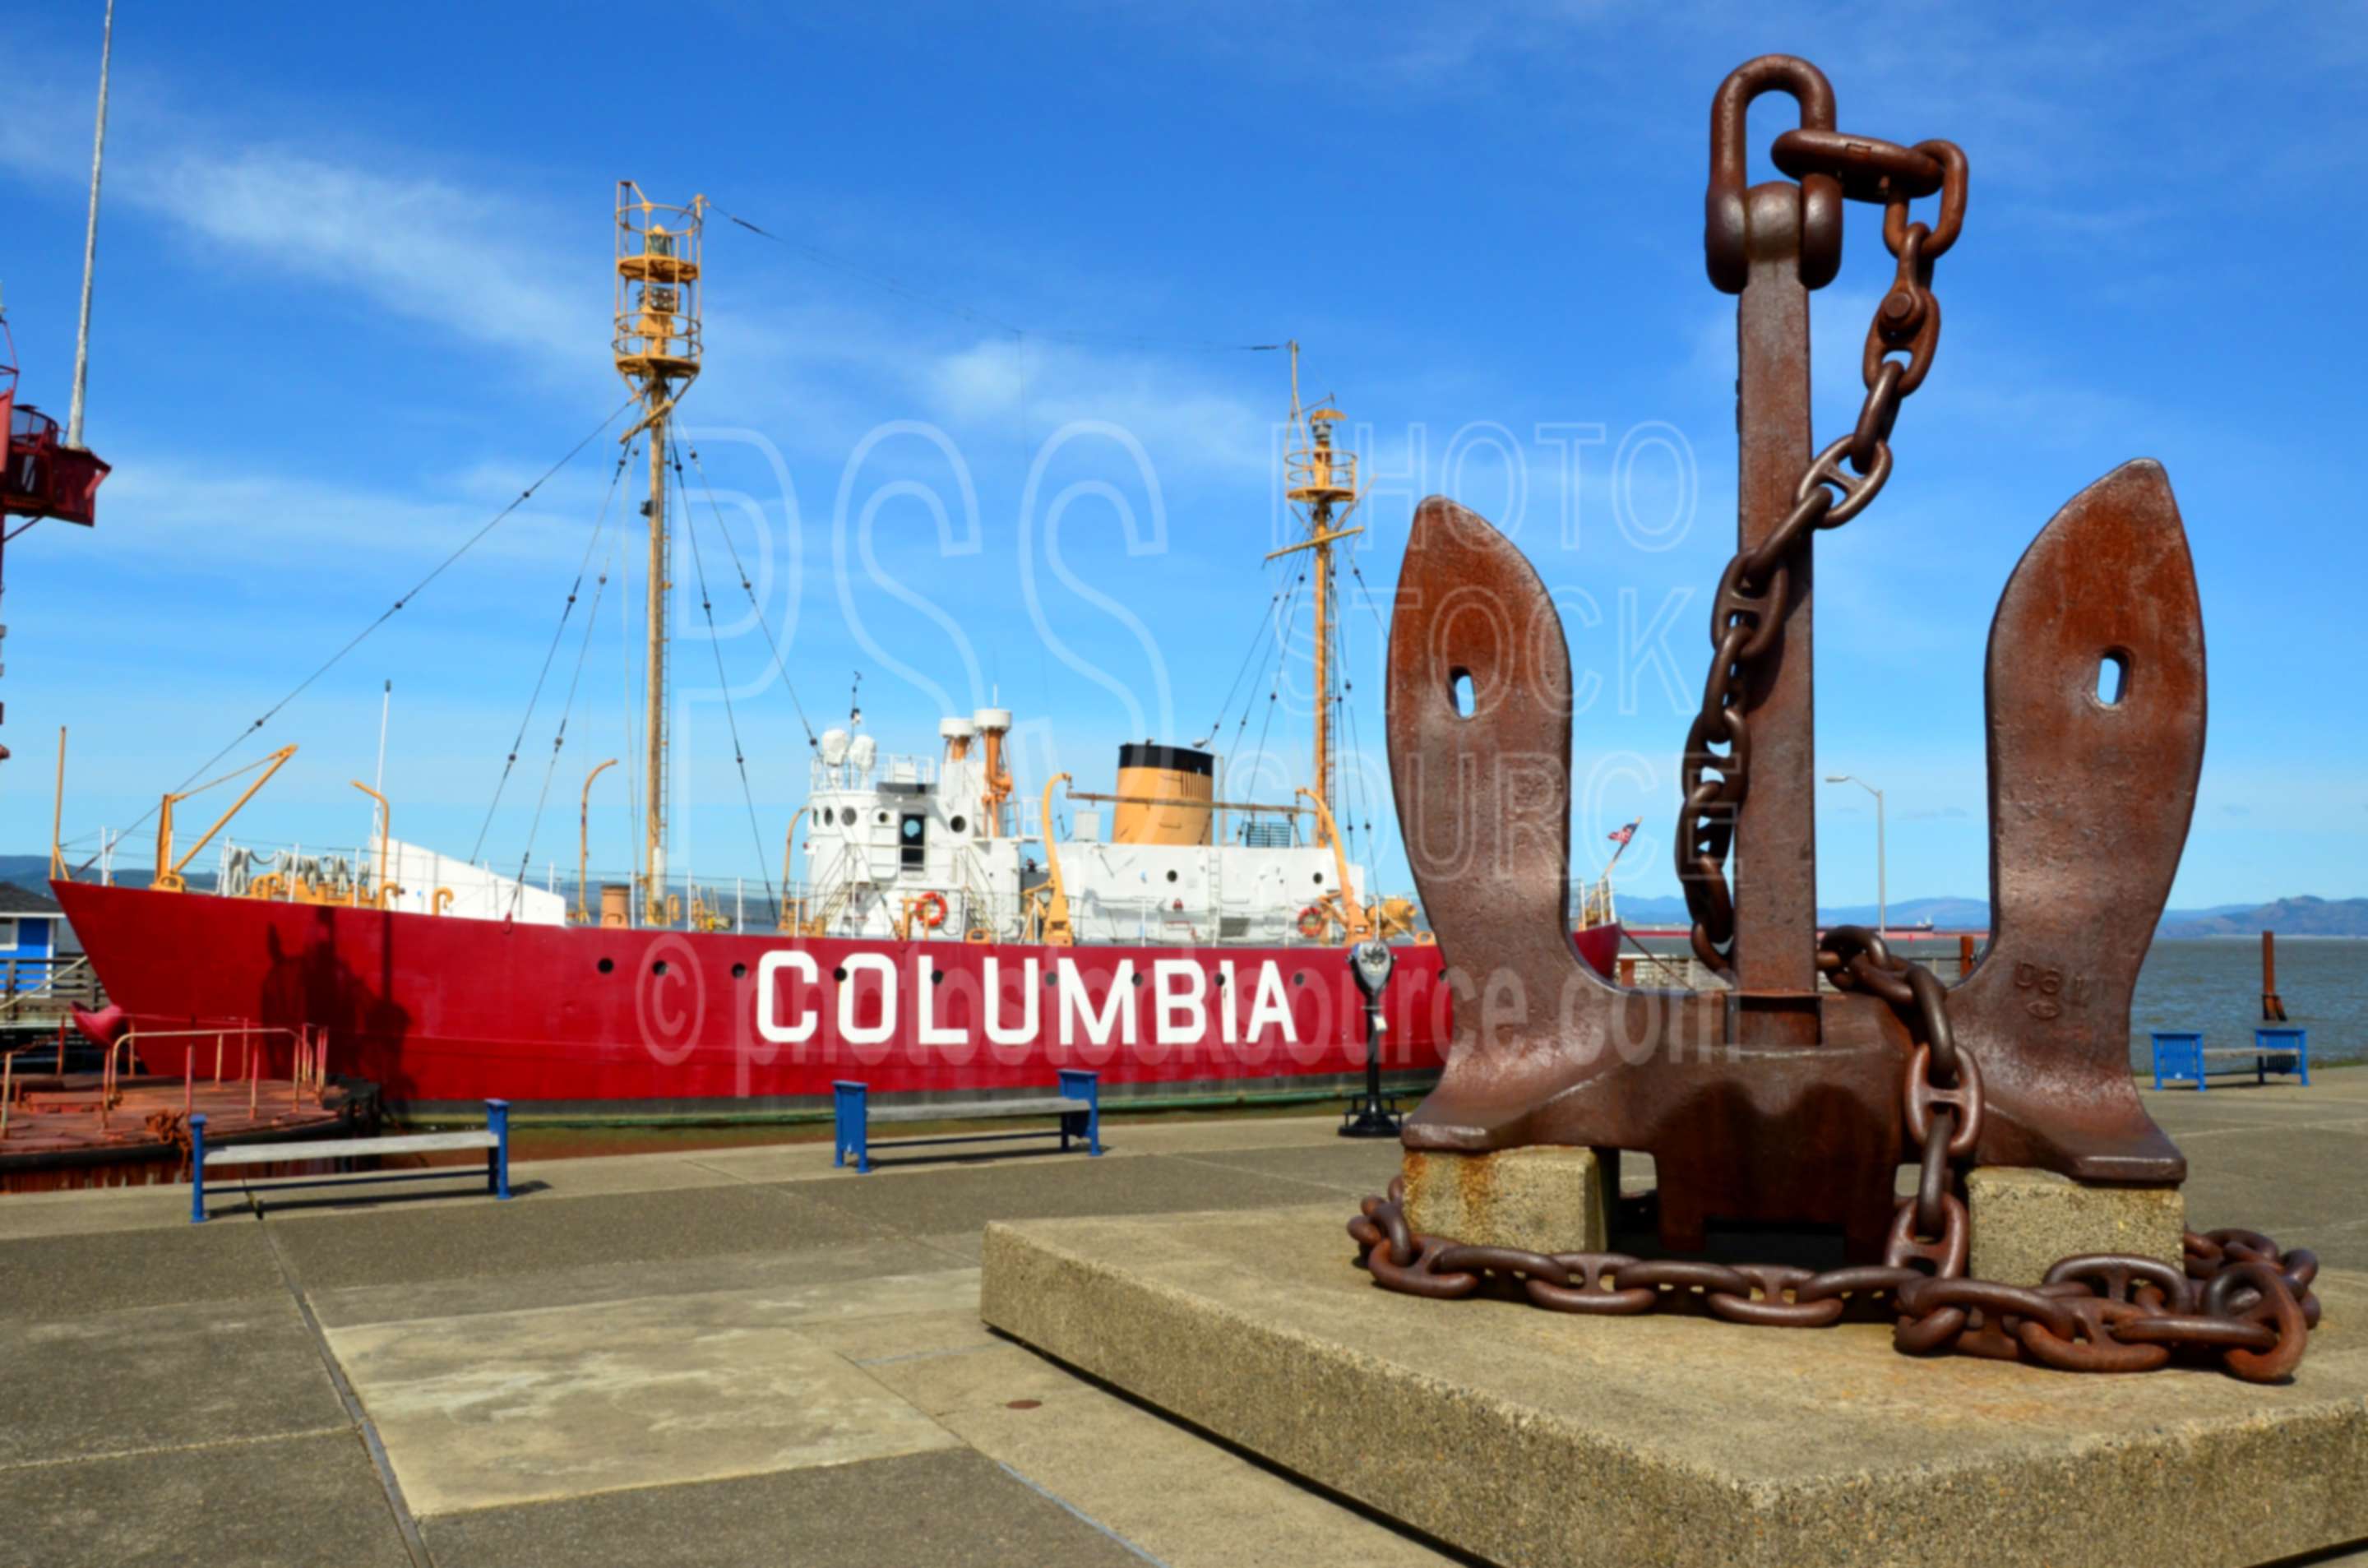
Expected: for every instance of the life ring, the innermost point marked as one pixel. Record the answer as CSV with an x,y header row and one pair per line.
x,y
1313,921
930,908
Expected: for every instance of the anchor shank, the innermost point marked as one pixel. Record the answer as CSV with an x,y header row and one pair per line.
x,y
1775,837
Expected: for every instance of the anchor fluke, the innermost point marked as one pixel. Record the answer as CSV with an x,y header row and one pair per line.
x,y
2096,711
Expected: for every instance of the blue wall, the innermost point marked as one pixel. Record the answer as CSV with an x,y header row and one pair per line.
x,y
35,938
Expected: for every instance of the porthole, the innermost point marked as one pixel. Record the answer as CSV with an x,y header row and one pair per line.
x,y
1171,876
658,968
882,819
607,966
1300,978
1319,879
937,977
839,973
847,816
739,971
1136,977
959,824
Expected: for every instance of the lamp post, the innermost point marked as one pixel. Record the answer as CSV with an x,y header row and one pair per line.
x,y
1882,891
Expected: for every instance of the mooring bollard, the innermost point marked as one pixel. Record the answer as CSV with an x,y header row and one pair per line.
x,y
197,1169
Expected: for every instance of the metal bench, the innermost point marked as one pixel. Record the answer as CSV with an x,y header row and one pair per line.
x,y
2181,1054
1078,1105
494,1139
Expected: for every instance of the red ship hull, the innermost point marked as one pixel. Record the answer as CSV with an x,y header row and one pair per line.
x,y
443,1012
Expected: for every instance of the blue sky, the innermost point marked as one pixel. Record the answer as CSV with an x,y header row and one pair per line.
x,y
354,288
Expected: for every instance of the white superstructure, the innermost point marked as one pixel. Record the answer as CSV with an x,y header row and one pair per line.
x,y
898,845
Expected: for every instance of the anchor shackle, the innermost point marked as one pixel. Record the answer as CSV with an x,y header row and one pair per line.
x,y
1726,228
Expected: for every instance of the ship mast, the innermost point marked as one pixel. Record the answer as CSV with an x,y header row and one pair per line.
x,y
1322,478
658,348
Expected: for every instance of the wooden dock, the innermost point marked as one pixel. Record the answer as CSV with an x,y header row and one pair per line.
x,y
50,1118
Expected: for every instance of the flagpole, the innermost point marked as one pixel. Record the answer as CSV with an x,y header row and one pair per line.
x,y
90,239
1625,836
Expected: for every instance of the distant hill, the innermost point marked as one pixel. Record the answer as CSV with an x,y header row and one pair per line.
x,y
26,871
1947,914
2302,916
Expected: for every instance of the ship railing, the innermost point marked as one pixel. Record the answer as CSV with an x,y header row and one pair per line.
x,y
886,768
308,1054
1663,960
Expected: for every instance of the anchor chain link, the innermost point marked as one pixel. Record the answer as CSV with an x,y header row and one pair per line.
x,y
1755,591
2239,1296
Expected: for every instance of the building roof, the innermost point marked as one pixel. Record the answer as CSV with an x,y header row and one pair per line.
x,y
17,904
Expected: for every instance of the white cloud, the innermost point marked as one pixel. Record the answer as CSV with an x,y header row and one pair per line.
x,y
421,247
475,262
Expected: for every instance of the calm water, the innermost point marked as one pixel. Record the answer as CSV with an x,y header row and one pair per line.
x,y
2214,985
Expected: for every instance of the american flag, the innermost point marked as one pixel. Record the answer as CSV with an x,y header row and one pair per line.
x,y
1622,835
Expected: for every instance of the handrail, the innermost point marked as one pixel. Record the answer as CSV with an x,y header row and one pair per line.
x,y
1188,801
46,989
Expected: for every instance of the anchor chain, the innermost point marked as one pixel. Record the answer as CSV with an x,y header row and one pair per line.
x,y
2238,1296
1754,592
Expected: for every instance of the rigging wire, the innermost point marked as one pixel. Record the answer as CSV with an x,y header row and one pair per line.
x,y
724,685
384,616
1282,656
1372,846
574,591
628,665
749,588
1370,606
1263,629
559,736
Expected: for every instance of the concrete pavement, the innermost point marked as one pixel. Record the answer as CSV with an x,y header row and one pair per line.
x,y
723,1357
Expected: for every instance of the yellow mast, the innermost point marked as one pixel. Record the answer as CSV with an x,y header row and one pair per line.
x,y
1321,478
657,345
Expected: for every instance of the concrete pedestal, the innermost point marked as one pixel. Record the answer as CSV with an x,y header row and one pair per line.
x,y
1548,1199
2023,1221
1531,1437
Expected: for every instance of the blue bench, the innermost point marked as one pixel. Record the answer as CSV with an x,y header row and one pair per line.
x,y
494,1139
2181,1054
1078,1105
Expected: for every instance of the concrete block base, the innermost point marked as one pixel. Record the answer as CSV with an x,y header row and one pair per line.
x,y
2023,1221
1531,1437
1547,1199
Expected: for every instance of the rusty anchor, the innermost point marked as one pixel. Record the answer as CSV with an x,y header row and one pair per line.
x,y
1775,1099
1778,1101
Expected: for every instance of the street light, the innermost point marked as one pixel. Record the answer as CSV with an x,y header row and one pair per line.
x,y
1881,892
